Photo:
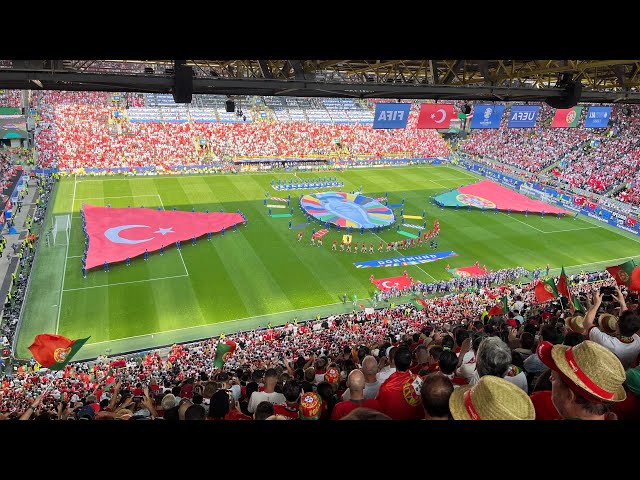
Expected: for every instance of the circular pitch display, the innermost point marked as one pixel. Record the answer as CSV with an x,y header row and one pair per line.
x,y
347,209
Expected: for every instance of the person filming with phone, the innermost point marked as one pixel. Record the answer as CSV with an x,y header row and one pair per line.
x,y
619,334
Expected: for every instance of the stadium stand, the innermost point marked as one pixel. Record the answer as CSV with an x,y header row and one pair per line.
x,y
403,343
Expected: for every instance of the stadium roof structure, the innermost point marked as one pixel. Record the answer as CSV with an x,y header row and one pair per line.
x,y
602,81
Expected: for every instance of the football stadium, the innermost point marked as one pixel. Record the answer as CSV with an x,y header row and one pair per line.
x,y
187,248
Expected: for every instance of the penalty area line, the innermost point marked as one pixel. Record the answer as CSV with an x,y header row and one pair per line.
x,y
125,283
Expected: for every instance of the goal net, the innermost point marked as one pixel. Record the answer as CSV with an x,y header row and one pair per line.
x,y
61,228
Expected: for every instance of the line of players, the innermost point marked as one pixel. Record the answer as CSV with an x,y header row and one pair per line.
x,y
395,246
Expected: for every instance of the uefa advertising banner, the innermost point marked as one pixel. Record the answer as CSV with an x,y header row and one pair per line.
x,y
597,117
391,115
487,116
523,116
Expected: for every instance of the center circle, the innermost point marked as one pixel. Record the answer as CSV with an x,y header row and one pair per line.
x,y
347,209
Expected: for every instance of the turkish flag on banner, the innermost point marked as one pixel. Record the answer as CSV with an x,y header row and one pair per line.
x,y
118,233
631,222
386,284
591,205
435,115
578,200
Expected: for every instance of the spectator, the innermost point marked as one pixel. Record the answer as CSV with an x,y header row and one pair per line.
x,y
387,365
363,413
586,379
269,394
626,345
357,385
399,395
435,393
629,408
492,398
372,384
263,410
291,391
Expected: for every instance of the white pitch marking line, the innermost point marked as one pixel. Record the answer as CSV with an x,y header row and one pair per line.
x,y
179,252
524,223
66,254
125,196
125,283
439,184
572,229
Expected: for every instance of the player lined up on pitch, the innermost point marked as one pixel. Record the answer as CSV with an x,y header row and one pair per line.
x,y
349,246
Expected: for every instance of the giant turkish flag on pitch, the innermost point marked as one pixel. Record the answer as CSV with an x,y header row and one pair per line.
x,y
386,284
435,115
118,233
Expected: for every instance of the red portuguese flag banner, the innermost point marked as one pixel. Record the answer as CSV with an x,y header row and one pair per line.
x,y
223,351
545,290
566,117
55,351
499,309
622,273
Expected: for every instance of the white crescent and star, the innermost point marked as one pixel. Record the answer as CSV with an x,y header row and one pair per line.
x,y
444,115
113,234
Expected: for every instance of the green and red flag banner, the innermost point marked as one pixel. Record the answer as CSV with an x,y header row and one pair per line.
x,y
499,309
55,351
627,274
566,117
576,303
421,302
562,286
545,290
223,351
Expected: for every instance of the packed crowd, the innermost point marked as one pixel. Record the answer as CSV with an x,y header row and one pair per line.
x,y
525,148
447,360
10,98
8,169
74,131
613,161
589,158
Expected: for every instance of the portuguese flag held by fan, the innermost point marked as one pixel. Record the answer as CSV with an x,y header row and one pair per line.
x,y
55,351
627,273
499,309
562,285
546,290
223,351
421,302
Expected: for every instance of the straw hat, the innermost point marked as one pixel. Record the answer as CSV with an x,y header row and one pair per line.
x,y
589,366
576,324
492,398
608,323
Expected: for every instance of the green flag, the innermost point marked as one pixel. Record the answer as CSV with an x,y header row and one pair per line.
x,y
223,351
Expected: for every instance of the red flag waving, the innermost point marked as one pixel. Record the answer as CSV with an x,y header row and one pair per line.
x,y
386,284
55,351
118,233
435,115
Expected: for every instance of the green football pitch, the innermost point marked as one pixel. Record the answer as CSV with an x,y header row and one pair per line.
x,y
261,273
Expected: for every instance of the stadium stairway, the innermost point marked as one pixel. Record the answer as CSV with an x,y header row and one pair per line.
x,y
9,260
